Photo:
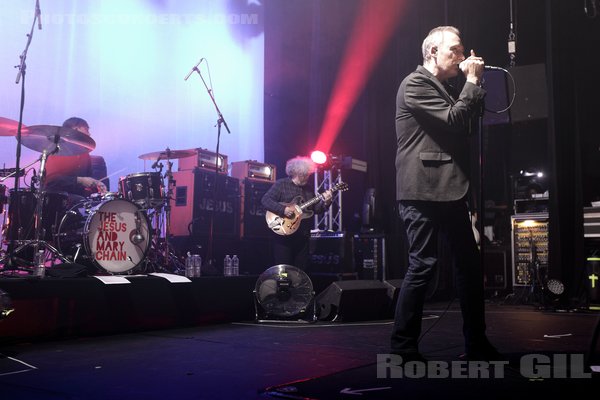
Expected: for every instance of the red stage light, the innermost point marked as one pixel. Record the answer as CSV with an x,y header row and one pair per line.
x,y
375,24
318,157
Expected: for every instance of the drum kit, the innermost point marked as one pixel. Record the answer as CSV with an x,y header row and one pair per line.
x,y
114,233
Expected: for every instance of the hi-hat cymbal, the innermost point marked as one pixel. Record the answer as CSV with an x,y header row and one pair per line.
x,y
167,154
70,142
8,127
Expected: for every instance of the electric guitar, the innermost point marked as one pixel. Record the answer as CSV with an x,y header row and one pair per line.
x,y
285,226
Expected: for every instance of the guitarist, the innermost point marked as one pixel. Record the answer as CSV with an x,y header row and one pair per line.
x,y
293,249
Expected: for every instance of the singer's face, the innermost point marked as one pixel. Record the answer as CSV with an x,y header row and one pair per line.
x,y
450,53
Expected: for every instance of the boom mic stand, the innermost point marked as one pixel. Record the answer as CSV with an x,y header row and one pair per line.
x,y
220,121
21,77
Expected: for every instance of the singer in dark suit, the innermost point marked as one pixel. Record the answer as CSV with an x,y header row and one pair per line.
x,y
79,175
433,122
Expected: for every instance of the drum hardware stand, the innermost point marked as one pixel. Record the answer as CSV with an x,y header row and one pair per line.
x,y
4,255
37,243
162,216
169,255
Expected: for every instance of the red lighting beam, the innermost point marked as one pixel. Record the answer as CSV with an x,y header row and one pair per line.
x,y
374,25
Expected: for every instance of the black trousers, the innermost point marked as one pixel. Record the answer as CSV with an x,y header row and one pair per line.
x,y
424,221
291,250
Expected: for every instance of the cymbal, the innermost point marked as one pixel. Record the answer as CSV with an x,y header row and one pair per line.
x,y
46,137
8,127
167,154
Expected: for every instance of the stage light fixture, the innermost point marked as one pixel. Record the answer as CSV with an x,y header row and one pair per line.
x,y
555,287
319,157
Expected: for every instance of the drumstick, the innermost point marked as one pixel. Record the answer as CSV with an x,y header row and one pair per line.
x,y
113,174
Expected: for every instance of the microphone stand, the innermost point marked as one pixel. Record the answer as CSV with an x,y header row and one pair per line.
x,y
480,206
220,121
21,77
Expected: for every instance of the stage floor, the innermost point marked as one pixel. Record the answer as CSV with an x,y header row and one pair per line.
x,y
324,360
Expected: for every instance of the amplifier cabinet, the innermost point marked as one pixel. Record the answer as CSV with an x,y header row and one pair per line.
x,y
495,262
252,221
591,222
529,244
369,256
331,253
253,170
204,159
194,201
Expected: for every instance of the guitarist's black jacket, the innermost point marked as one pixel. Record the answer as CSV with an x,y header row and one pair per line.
x,y
285,191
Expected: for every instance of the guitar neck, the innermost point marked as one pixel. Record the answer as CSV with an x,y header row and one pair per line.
x,y
310,202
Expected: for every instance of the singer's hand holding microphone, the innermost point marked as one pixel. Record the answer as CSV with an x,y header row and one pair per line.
x,y
472,67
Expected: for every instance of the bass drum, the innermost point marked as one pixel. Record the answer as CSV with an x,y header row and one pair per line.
x,y
112,234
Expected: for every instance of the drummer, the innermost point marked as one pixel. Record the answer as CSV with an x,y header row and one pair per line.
x,y
78,175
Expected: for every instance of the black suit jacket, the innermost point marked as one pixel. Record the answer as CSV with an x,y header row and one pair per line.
x,y
432,127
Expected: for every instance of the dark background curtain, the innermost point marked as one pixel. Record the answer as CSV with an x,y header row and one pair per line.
x,y
304,44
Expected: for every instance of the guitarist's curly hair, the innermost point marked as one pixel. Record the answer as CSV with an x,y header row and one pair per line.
x,y
299,166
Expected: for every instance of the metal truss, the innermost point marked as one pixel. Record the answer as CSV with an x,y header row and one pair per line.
x,y
330,220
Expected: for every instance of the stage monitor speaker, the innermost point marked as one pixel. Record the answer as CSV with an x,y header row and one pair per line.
x,y
359,300
195,201
531,101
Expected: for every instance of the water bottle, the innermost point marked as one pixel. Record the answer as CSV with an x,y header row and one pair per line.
x,y
197,265
189,266
227,266
39,268
235,265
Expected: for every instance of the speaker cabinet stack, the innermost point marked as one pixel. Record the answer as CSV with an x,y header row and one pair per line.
x,y
195,200
252,219
255,180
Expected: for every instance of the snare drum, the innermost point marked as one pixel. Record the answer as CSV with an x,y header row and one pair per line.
x,y
21,219
144,189
112,234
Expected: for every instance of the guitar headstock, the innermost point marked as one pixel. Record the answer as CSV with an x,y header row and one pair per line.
x,y
341,186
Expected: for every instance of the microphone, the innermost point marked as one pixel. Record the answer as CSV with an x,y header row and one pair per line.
x,y
492,68
136,235
39,14
193,69
155,163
